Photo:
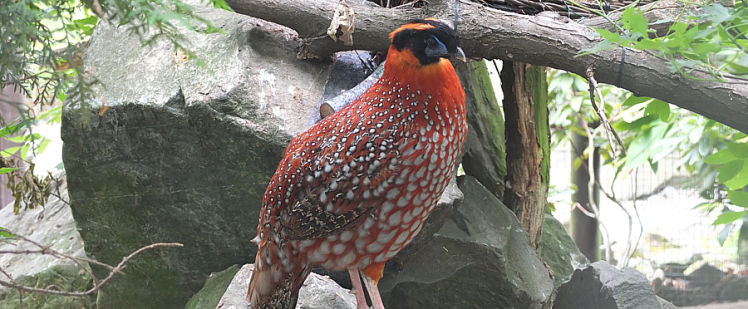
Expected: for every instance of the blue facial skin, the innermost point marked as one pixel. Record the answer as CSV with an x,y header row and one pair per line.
x,y
436,51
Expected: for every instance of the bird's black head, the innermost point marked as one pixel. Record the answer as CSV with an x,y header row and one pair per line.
x,y
428,40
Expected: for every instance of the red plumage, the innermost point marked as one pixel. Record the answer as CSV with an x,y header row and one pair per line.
x,y
355,188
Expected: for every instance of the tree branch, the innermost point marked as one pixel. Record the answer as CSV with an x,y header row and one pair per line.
x,y
552,41
98,283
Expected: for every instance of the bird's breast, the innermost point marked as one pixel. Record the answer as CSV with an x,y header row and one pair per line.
x,y
428,134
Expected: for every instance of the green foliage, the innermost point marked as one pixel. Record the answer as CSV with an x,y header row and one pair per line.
x,y
715,155
5,234
43,46
713,41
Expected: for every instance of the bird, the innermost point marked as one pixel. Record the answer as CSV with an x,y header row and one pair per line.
x,y
355,188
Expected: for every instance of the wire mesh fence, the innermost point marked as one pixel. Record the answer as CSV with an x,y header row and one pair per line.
x,y
665,223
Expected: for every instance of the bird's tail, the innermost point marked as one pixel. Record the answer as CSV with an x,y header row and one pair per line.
x,y
275,283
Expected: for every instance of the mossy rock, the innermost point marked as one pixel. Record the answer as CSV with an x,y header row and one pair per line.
x,y
59,277
213,290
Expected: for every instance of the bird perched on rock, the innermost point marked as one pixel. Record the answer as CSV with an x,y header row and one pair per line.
x,y
356,188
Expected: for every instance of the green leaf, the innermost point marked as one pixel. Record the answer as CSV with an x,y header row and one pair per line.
x,y
635,125
705,147
738,198
653,165
577,163
703,49
695,134
5,233
739,150
716,13
25,151
43,145
729,170
728,217
658,107
634,20
610,36
640,148
722,236
637,152
5,170
576,103
740,180
646,43
601,46
18,139
707,206
720,157
9,151
633,100
221,4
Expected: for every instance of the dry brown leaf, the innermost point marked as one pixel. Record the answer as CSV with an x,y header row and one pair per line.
x,y
342,21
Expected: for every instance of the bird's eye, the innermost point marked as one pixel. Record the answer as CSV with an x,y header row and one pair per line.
x,y
431,42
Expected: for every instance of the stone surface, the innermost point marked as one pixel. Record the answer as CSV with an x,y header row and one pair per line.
x,y
664,304
318,292
559,251
480,258
703,274
215,287
346,81
732,288
729,288
51,226
182,153
603,286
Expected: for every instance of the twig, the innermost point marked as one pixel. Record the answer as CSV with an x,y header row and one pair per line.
x,y
627,251
114,270
591,191
595,215
20,293
600,111
594,181
639,219
48,250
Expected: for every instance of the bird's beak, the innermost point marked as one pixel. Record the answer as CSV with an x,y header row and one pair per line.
x,y
460,54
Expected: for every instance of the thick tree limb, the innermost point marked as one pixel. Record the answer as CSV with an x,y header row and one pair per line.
x,y
543,40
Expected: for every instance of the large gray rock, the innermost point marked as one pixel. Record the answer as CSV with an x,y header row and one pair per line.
x,y
701,273
318,292
215,287
732,288
559,251
480,259
603,286
52,226
183,153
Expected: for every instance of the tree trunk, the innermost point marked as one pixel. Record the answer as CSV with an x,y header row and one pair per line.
x,y
527,144
584,229
485,149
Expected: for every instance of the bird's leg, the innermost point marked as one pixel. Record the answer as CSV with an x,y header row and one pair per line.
x,y
358,289
376,300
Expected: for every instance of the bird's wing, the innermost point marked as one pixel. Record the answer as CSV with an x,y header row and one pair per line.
x,y
347,179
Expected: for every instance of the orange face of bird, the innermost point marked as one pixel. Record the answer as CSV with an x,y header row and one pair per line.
x,y
424,42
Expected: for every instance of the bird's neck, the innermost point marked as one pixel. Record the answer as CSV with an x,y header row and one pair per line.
x,y
433,82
